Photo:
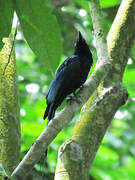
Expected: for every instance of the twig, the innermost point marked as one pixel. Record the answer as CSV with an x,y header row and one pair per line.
x,y
11,49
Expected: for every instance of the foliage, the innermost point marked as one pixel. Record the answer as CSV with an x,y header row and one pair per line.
x,y
38,25
6,16
115,158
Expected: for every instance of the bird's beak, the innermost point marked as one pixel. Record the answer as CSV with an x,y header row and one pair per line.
x,y
80,38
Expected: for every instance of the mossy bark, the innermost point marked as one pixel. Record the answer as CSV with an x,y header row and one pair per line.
x,y
9,110
77,154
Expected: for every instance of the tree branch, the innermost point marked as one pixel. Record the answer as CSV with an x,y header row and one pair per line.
x,y
76,155
11,50
120,40
99,35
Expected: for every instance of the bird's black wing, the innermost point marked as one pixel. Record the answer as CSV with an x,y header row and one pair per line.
x,y
63,67
67,62
66,80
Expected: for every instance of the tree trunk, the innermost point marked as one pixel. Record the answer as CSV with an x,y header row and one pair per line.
x,y
9,110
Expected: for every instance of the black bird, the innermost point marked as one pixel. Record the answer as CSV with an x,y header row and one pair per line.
x,y
70,76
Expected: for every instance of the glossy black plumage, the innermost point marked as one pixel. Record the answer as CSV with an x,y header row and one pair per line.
x,y
69,76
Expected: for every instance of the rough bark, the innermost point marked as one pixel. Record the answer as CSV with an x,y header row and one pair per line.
x,y
77,154
9,110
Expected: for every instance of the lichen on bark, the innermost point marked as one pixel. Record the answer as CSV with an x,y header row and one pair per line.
x,y
9,110
89,130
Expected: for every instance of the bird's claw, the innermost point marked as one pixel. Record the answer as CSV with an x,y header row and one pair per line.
x,y
73,98
81,87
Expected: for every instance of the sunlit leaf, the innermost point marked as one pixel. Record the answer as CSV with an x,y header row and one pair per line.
x,y
129,81
6,16
41,30
107,4
103,3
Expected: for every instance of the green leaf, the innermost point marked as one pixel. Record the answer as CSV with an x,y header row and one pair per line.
x,y
107,4
6,16
103,3
83,4
2,171
41,30
129,81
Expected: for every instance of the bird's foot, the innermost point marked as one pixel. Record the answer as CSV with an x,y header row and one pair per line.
x,y
73,98
81,87
76,95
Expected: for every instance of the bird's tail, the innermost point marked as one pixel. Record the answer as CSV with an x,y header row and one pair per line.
x,y
50,112
46,112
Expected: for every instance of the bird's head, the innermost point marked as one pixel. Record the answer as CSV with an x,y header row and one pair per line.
x,y
82,48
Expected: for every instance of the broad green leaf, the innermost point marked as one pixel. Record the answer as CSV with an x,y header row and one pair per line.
x,y
103,3
2,171
41,30
6,16
83,4
129,81
107,4
128,76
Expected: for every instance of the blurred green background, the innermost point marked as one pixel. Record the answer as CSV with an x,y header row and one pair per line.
x,y
115,158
